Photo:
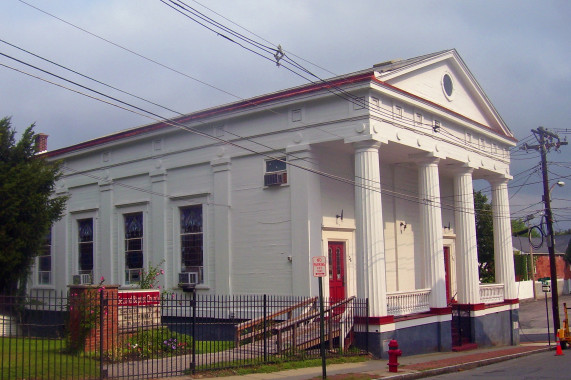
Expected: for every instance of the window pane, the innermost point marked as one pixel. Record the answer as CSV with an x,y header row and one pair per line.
x,y
275,165
86,256
134,260
191,219
45,263
134,225
85,230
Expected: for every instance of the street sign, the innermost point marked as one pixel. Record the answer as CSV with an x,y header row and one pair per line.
x,y
319,266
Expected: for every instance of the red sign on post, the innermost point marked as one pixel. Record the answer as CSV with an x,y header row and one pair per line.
x,y
319,266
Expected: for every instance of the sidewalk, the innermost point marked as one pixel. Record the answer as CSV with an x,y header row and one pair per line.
x,y
411,367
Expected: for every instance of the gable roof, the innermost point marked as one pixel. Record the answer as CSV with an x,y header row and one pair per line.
x,y
382,73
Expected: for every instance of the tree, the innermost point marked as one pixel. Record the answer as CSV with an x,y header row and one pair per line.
x,y
484,237
27,205
519,228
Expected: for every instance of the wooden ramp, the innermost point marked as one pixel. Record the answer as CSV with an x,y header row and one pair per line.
x,y
303,331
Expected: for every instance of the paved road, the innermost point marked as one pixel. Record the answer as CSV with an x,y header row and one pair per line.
x,y
538,366
533,318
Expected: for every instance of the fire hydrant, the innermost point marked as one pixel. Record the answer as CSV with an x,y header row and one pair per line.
x,y
394,353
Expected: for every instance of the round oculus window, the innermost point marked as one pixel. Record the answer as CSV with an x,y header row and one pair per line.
x,y
448,85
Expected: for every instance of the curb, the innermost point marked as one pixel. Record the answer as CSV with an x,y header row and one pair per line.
x,y
463,366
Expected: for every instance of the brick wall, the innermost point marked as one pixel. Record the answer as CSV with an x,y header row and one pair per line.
x,y
542,266
85,311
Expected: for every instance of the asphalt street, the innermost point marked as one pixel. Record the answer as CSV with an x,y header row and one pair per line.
x,y
544,365
533,320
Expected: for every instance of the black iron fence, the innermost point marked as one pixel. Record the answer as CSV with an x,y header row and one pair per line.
x,y
99,333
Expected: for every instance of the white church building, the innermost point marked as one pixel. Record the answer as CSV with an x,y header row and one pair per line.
x,y
372,169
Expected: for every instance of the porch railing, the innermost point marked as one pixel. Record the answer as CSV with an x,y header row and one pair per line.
x,y
408,302
491,293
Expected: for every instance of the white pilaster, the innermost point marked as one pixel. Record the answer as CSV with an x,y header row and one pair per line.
x,y
467,276
106,255
158,241
431,224
371,276
222,230
305,219
503,248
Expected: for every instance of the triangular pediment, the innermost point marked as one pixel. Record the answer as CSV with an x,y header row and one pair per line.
x,y
443,79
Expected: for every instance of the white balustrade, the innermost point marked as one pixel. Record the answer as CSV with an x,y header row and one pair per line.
x,y
408,302
491,293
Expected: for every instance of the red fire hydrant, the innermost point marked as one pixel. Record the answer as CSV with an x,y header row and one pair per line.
x,y
394,353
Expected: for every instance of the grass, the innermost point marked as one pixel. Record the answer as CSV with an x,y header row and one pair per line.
x,y
34,359
25,358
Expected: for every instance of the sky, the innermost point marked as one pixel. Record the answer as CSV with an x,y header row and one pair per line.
x,y
519,52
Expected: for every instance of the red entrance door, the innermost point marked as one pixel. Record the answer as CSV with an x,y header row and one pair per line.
x,y
447,273
336,271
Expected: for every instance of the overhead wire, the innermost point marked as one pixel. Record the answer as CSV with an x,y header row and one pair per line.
x,y
352,98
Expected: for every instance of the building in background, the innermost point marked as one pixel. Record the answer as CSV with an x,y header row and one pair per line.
x,y
372,169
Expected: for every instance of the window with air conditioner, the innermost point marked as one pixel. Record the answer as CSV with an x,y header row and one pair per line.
x,y
85,249
191,245
133,224
276,172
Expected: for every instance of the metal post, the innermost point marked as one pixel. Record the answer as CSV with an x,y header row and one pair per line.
x,y
547,312
265,332
101,330
193,365
322,328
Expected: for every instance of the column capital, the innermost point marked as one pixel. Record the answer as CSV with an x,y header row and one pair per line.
x,y
499,179
221,164
425,159
298,152
462,169
366,145
369,139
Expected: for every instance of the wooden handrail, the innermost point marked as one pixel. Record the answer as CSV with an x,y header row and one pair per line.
x,y
257,321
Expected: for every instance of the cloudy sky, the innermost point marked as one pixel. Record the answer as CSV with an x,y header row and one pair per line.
x,y
519,51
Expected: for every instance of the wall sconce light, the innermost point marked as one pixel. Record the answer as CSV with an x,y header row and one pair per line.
x,y
339,216
290,259
402,226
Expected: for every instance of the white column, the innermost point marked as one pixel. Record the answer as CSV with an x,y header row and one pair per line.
x,y
467,276
306,218
503,248
222,229
371,276
431,224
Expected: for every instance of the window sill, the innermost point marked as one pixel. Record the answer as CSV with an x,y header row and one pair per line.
x,y
43,287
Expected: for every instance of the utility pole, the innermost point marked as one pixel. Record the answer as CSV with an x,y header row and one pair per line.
x,y
548,140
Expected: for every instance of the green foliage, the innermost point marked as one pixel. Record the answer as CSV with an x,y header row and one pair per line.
x,y
161,342
484,237
522,267
27,205
149,277
34,358
519,228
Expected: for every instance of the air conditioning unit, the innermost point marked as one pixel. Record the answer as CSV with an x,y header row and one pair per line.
x,y
273,179
188,278
82,279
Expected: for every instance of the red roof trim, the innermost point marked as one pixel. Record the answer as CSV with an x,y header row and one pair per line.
x,y
217,111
